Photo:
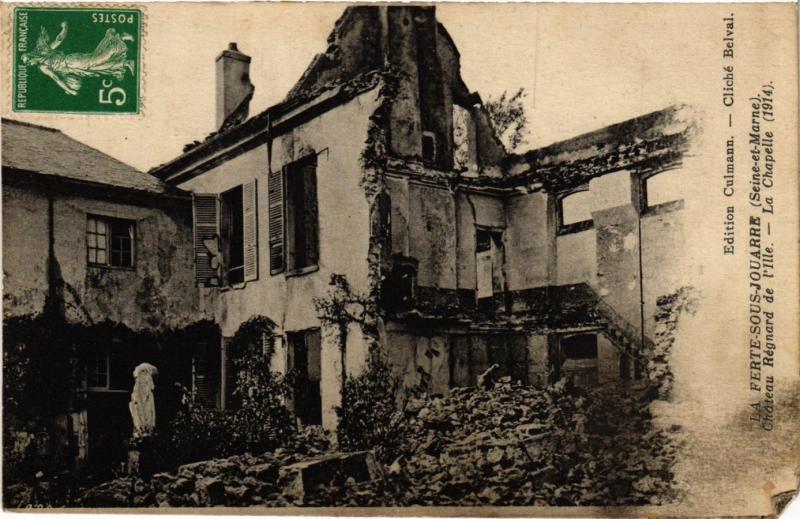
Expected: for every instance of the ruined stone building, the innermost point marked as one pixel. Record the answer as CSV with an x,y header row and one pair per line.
x,y
376,206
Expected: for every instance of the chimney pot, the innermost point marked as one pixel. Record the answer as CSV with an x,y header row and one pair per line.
x,y
232,46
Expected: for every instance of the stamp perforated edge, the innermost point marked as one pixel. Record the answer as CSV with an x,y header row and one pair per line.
x,y
7,49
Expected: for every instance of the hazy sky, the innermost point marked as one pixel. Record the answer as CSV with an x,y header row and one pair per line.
x,y
582,65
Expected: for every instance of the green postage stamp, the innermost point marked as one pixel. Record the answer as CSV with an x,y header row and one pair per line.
x,y
77,60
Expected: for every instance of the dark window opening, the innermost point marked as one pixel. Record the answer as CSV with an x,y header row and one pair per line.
x,y
232,234
490,263
109,241
302,214
305,363
471,355
398,286
98,371
428,147
206,381
579,359
582,346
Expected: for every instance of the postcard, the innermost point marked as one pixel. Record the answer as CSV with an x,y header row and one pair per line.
x,y
394,259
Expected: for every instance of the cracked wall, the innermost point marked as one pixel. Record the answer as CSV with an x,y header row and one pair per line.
x,y
158,293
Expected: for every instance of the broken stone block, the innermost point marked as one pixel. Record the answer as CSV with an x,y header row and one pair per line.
x,y
264,472
191,470
210,491
183,486
221,468
237,496
301,479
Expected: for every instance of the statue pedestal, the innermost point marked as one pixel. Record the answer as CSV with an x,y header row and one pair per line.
x,y
142,457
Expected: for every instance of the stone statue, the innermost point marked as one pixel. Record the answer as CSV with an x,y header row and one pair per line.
x,y
143,404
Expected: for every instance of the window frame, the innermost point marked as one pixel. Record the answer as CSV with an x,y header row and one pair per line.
x,y
574,227
94,358
107,221
296,168
226,251
645,209
434,148
498,236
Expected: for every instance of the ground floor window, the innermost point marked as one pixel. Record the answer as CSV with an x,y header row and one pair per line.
x,y
98,368
305,363
579,359
471,355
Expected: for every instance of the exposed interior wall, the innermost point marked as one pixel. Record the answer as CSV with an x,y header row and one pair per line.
x,y
432,235
475,209
577,258
437,227
530,241
439,359
662,262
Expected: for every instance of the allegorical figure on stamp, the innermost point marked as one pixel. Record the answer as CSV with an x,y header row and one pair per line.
x,y
108,59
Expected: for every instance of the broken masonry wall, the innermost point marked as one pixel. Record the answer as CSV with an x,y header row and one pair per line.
x,y
410,42
405,122
475,210
664,262
437,226
337,138
436,358
435,112
354,48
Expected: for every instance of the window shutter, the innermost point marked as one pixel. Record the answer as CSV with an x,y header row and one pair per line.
x,y
206,239
249,208
200,377
275,190
311,219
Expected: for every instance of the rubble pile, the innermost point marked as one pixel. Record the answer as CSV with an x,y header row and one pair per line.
x,y
505,445
516,445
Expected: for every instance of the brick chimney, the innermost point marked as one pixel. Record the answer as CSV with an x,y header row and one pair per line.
x,y
234,88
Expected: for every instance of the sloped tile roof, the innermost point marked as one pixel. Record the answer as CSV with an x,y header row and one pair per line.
x,y
47,151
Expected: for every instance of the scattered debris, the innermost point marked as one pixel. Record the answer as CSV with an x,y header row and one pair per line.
x,y
508,445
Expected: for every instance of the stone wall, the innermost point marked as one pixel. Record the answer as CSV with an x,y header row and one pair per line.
x,y
157,293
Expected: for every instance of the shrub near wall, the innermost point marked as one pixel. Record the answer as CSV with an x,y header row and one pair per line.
x,y
257,419
368,416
